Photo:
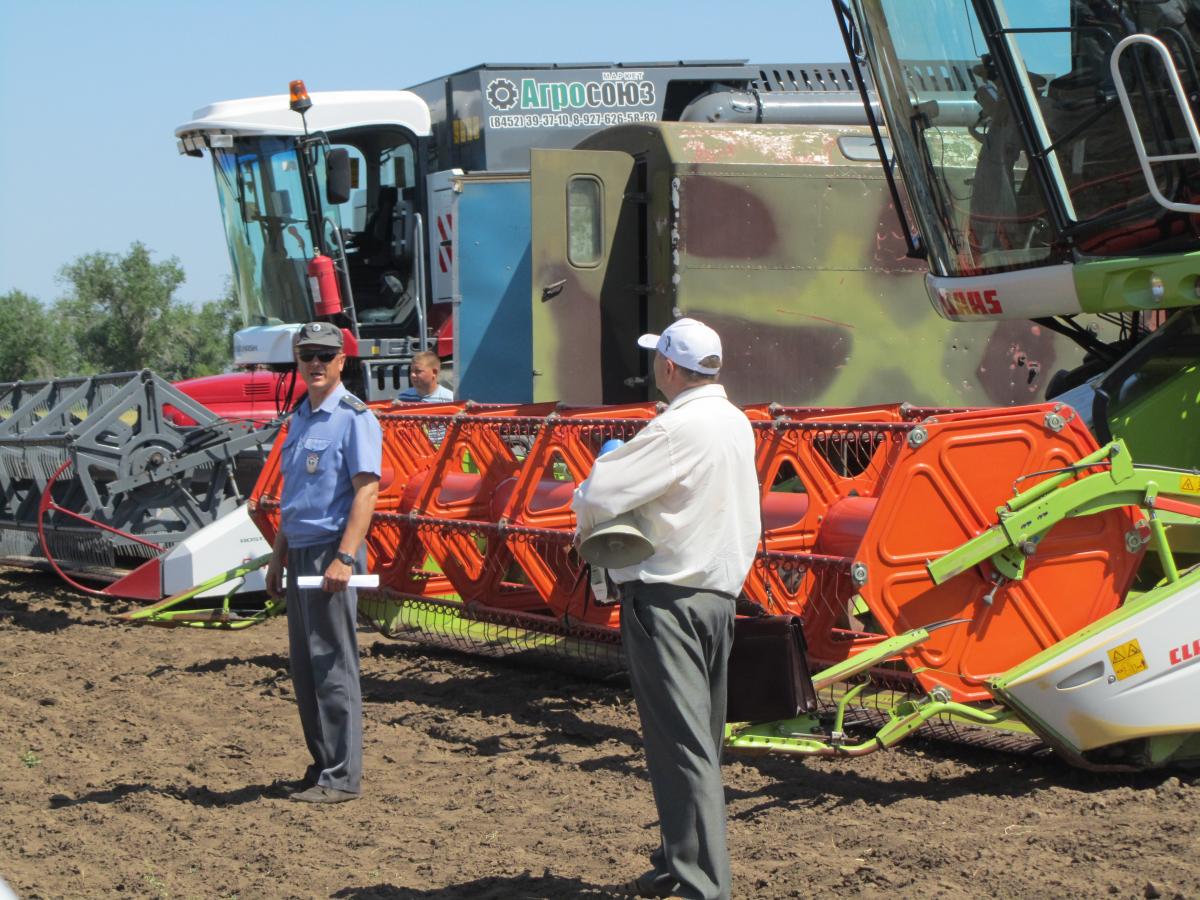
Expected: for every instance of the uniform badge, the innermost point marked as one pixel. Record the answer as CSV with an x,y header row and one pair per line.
x,y
311,463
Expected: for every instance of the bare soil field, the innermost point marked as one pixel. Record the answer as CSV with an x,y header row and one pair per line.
x,y
149,763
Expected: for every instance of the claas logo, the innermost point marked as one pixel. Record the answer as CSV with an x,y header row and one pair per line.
x,y
970,303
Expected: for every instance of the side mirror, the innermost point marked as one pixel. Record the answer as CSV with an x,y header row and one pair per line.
x,y
337,176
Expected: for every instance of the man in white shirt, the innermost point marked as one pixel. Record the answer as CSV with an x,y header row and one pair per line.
x,y
689,481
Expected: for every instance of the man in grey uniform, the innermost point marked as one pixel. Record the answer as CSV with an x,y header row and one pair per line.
x,y
689,481
330,462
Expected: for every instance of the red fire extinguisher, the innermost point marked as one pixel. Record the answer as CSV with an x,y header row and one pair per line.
x,y
323,284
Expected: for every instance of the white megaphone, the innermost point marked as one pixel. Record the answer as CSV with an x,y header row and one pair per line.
x,y
616,544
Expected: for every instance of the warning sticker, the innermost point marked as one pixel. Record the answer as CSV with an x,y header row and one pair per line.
x,y
1127,660
1189,484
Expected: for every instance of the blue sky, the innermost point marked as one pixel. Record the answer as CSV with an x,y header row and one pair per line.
x,y
91,92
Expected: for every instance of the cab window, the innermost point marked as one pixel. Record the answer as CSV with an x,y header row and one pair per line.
x,y
585,236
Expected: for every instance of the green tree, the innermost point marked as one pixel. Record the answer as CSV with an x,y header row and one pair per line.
x,y
202,337
122,314
33,345
118,307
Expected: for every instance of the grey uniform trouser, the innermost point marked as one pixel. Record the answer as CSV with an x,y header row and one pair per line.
x,y
677,643
323,653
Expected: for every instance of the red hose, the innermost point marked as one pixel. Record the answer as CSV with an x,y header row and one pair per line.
x,y
46,502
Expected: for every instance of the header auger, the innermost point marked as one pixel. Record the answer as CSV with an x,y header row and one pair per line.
x,y
881,532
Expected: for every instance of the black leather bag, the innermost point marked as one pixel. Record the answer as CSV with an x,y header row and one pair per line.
x,y
768,670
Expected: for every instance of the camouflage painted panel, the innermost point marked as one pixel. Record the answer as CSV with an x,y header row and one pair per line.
x,y
819,146
837,338
803,271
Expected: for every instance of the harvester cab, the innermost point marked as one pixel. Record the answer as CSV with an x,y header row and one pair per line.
x,y
1051,163
316,198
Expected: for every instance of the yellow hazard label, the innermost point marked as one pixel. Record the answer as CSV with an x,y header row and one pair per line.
x,y
1127,660
1189,484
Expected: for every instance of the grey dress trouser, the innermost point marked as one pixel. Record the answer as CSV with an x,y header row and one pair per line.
x,y
323,655
677,643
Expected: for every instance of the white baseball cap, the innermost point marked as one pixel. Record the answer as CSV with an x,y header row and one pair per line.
x,y
686,342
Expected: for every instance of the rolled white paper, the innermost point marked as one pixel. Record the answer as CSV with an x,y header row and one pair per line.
x,y
356,581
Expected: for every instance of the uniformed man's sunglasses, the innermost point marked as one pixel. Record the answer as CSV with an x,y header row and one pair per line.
x,y
325,356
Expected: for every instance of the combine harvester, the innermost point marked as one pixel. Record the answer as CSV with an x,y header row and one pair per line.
x,y
1004,575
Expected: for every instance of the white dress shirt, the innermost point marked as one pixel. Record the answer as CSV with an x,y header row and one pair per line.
x,y
688,478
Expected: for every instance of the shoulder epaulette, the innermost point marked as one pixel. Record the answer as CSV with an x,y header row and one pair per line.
x,y
354,403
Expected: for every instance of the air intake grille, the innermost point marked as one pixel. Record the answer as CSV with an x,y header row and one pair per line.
x,y
816,78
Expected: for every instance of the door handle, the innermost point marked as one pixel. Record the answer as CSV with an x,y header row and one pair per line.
x,y
551,291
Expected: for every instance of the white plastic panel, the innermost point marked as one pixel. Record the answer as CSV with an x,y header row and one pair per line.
x,y
228,542
331,110
1139,677
264,344
1022,294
